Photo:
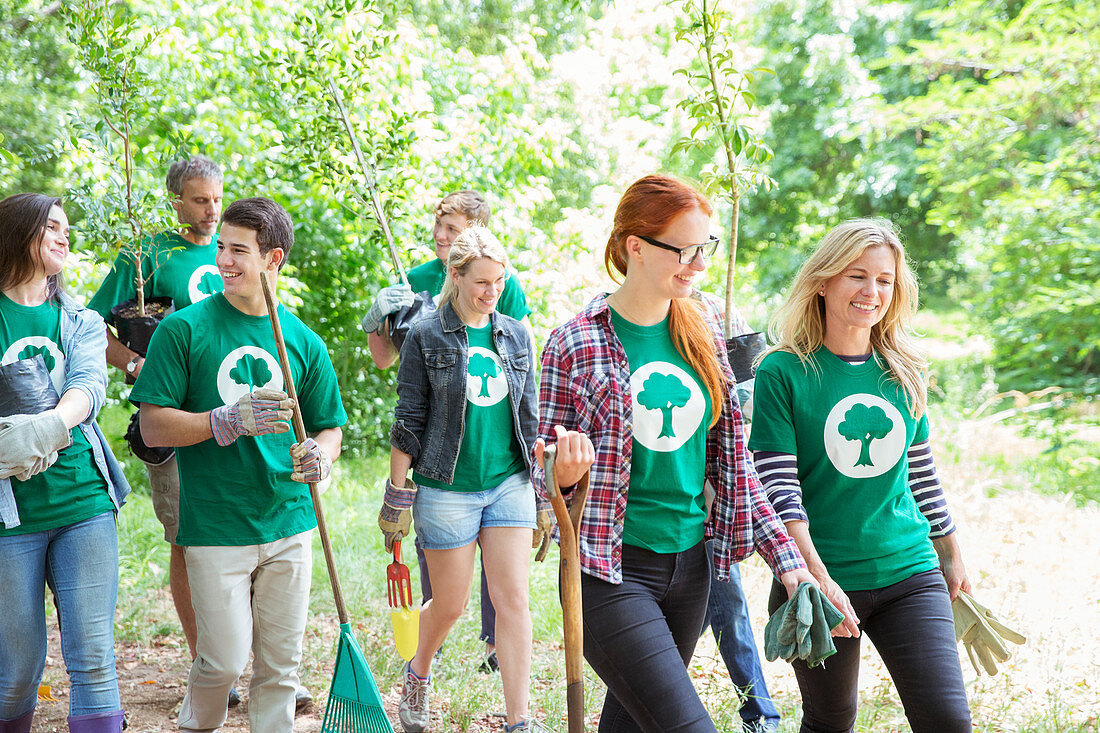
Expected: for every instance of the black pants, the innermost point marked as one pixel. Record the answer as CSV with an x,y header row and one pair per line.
x,y
911,626
639,637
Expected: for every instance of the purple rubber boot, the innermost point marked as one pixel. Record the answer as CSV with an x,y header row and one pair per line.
x,y
109,722
18,725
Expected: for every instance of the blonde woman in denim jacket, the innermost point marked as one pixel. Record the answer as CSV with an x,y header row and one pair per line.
x,y
60,486
465,424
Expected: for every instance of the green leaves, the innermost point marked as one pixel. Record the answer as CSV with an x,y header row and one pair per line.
x,y
722,106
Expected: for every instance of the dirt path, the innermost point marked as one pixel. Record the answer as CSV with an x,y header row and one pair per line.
x,y
1034,559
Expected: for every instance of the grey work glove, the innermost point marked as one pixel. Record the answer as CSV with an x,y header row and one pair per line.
x,y
256,413
390,300
541,540
311,464
26,440
395,516
800,628
981,633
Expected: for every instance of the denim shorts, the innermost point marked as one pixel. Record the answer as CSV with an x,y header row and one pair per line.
x,y
449,519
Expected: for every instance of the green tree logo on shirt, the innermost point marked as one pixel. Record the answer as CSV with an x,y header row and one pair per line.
x,y
251,371
865,423
664,392
30,351
209,283
482,367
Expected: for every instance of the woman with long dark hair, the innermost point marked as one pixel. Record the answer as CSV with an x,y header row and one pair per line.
x,y
60,486
840,438
643,373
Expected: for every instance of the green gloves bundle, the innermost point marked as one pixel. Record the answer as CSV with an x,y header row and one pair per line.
x,y
981,633
799,629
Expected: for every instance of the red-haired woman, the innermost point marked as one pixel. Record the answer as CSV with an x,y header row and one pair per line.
x,y
643,373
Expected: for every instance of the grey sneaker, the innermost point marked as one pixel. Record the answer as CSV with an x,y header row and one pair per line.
x,y
530,725
413,708
303,701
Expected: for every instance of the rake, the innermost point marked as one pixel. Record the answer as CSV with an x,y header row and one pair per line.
x,y
354,703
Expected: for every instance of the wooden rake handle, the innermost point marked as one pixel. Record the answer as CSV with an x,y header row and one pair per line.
x,y
300,435
569,523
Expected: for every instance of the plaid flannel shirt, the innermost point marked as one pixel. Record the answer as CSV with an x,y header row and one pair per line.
x,y
585,386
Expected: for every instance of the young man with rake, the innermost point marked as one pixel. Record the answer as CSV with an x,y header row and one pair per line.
x,y
216,394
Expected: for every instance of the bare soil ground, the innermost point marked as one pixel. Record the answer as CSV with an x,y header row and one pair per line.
x,y
1033,559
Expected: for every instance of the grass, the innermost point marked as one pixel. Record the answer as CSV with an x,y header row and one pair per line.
x,y
1054,452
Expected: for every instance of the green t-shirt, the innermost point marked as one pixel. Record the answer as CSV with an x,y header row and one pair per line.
x,y
174,268
850,429
665,509
209,355
430,276
72,489
483,461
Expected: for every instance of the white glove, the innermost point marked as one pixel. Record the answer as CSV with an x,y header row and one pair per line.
x,y
390,300
26,441
38,466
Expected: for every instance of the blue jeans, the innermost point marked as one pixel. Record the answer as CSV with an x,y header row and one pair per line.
x,y
79,562
728,617
912,627
639,637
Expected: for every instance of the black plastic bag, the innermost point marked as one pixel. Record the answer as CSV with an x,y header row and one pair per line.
x,y
742,351
405,318
152,456
26,388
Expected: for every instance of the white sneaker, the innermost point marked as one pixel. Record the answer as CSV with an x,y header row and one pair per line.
x,y
413,708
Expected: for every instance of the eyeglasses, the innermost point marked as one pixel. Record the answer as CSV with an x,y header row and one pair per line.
x,y
689,253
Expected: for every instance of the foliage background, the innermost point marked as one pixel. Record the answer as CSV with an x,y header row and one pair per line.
x,y
974,126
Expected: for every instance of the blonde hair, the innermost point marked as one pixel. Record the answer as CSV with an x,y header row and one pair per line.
x,y
799,324
474,243
470,204
646,209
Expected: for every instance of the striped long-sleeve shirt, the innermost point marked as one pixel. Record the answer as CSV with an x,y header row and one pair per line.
x,y
779,474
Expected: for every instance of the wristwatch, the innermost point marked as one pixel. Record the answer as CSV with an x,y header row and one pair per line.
x,y
131,366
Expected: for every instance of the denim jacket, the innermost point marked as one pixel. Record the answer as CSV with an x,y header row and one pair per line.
x,y
430,417
84,340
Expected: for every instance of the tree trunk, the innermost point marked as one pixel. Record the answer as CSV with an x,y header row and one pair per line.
x,y
730,264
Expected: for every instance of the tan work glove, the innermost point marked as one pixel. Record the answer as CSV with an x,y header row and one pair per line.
x,y
981,633
261,412
311,464
395,516
541,540
26,441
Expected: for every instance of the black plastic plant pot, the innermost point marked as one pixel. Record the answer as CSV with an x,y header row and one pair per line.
x,y
742,351
152,456
135,331
25,387
405,318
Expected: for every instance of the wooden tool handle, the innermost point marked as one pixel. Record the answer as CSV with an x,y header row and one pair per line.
x,y
300,435
570,579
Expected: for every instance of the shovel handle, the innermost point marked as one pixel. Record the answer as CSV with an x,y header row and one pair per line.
x,y
570,579
300,435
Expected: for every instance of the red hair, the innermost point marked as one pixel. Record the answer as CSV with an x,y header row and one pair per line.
x,y
646,209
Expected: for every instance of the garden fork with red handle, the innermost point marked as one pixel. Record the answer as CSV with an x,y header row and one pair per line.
x,y
397,577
